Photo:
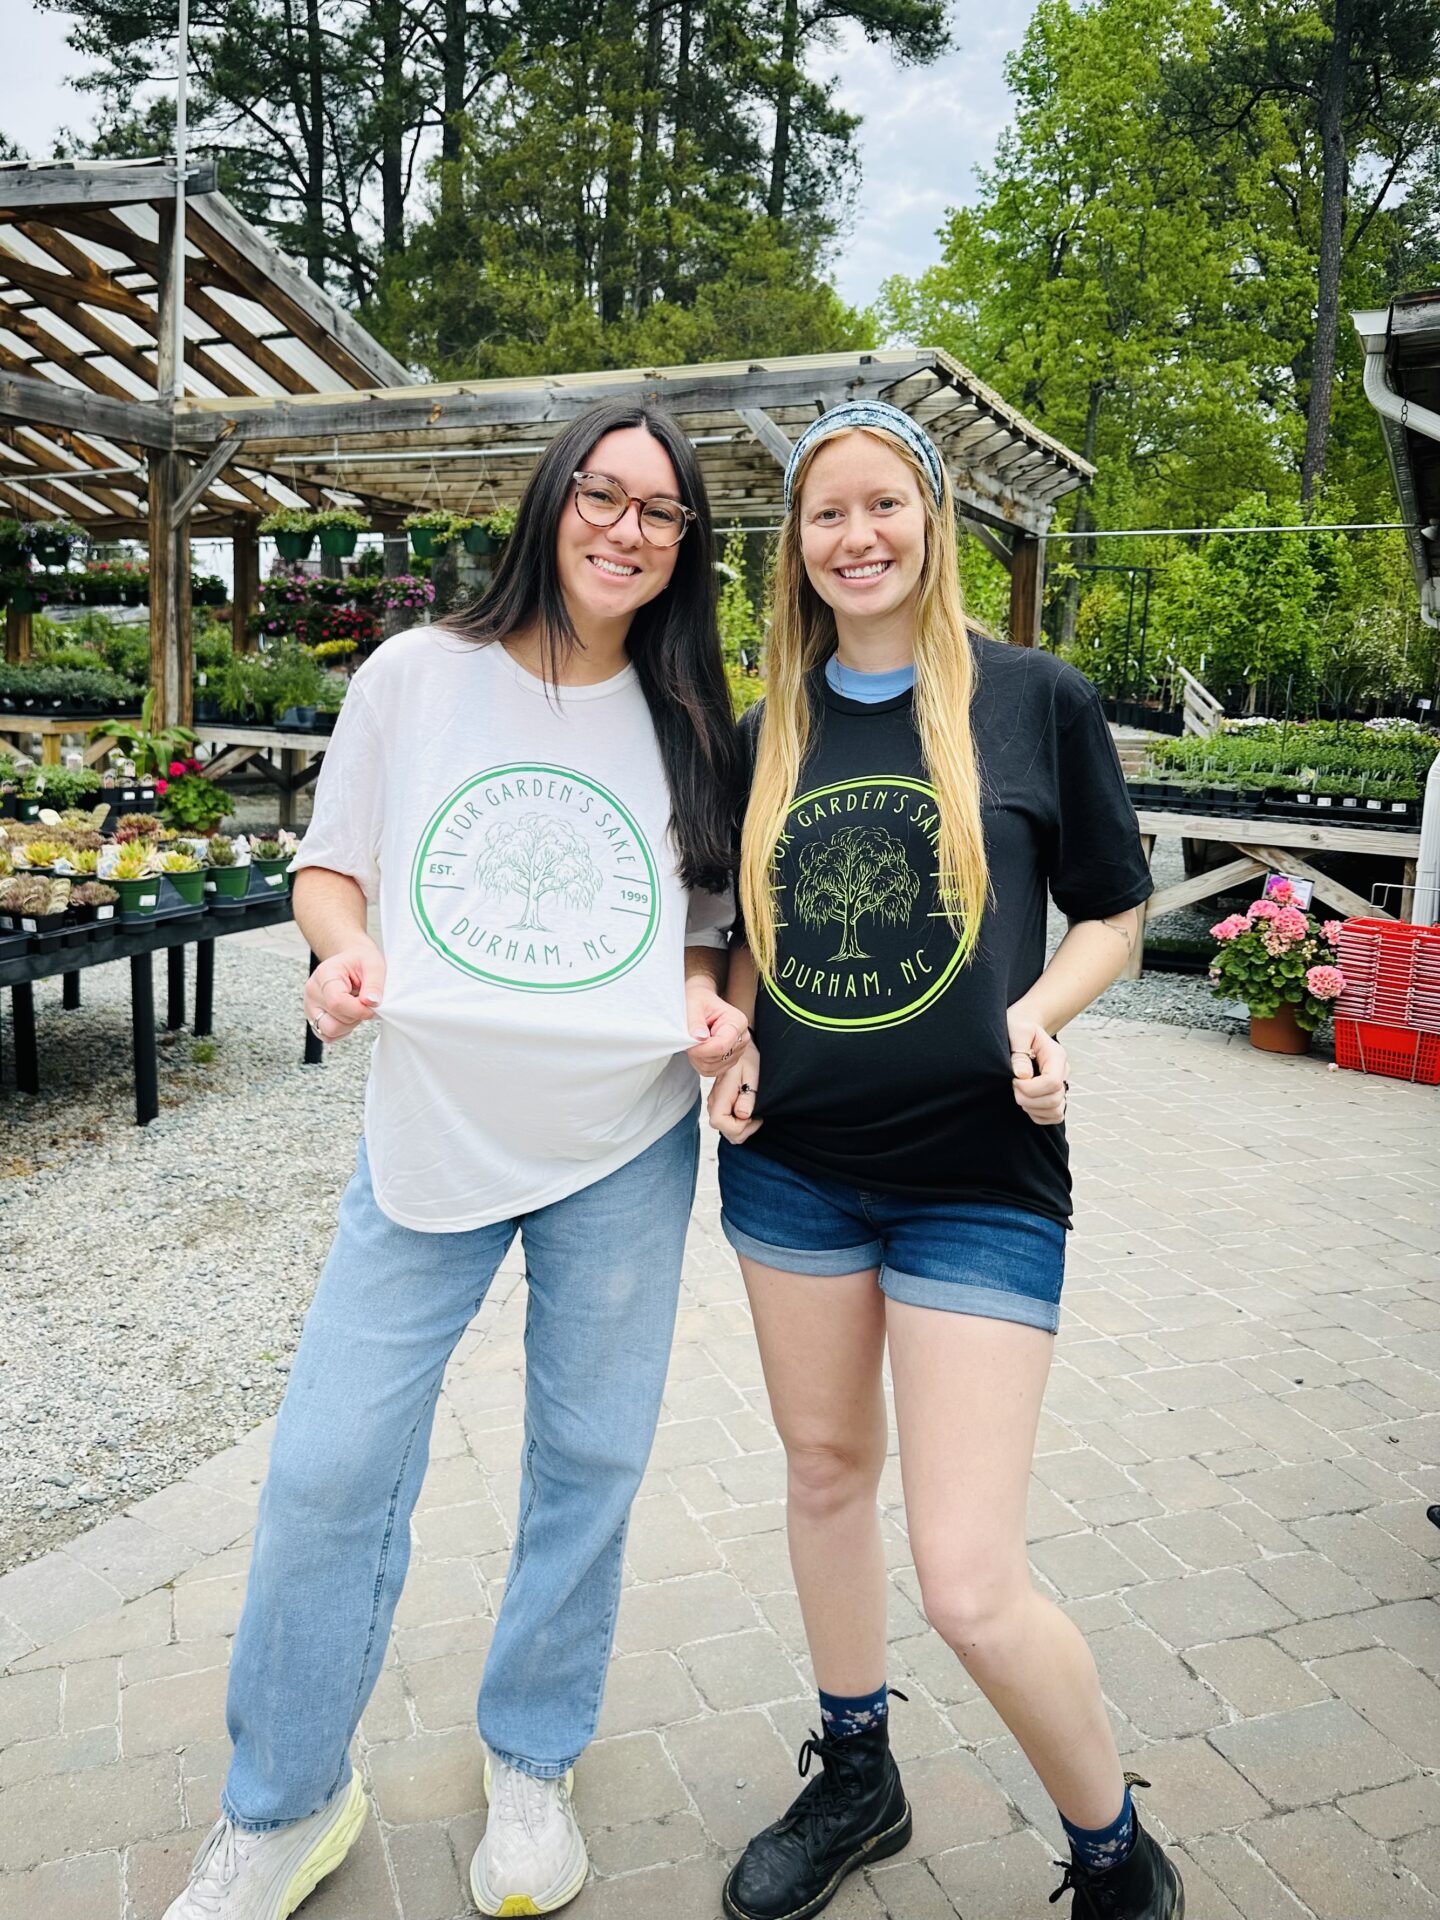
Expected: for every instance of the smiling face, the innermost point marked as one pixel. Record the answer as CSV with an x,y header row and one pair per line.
x,y
862,529
608,573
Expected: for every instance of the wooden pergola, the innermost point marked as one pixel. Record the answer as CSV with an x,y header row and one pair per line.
x,y
285,400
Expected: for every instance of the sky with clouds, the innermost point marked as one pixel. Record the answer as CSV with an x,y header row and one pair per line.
x,y
925,129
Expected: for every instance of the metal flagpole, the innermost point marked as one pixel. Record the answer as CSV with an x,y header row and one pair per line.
x,y
182,63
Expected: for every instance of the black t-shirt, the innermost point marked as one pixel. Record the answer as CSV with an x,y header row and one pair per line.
x,y
884,1062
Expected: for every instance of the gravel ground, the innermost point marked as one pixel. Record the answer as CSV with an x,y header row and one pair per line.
x,y
162,1273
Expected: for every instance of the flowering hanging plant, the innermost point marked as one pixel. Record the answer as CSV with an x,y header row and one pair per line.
x,y
1275,955
403,592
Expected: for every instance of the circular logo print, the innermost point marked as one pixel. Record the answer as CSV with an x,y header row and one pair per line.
x,y
862,937
536,878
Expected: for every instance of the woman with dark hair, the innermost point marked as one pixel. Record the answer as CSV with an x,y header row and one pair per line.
x,y
539,795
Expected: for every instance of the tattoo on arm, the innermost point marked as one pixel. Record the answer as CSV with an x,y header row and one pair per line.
x,y
1122,926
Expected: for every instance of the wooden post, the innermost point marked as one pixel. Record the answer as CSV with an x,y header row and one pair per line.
x,y
246,595
170,655
17,636
1027,572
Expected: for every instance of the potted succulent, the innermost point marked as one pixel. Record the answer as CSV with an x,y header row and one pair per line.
x,y
340,529
134,880
51,541
92,901
273,858
36,904
184,872
429,531
1281,963
228,875
293,531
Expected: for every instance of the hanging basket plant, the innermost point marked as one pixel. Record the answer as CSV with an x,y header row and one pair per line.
x,y
429,532
339,529
293,531
51,543
12,543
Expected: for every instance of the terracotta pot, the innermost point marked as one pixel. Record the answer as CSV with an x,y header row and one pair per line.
x,y
1281,1034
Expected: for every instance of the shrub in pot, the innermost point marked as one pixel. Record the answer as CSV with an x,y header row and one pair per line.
x,y
1281,963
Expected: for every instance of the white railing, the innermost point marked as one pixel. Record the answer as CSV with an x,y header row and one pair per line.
x,y
1203,712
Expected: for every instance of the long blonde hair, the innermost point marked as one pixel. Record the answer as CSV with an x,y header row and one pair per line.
x,y
802,635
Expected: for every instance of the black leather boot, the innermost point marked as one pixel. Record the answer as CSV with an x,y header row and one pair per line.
x,y
854,1811
1144,1886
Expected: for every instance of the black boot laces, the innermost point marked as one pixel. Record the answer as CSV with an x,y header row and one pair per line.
x,y
824,1803
1101,1900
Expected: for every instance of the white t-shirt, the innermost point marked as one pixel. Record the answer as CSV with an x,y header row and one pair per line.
x,y
532,1031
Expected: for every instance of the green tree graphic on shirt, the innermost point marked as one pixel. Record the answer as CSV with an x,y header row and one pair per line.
x,y
536,856
860,871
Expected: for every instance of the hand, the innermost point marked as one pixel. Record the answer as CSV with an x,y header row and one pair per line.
x,y
1039,1063
345,990
718,1029
732,1099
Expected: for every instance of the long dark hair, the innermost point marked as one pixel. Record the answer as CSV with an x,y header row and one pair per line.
x,y
674,640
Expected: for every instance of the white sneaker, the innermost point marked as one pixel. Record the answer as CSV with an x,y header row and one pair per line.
x,y
264,1876
532,1859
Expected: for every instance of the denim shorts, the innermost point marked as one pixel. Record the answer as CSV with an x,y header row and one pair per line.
x,y
961,1255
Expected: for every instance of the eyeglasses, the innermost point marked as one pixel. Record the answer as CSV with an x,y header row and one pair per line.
x,y
604,503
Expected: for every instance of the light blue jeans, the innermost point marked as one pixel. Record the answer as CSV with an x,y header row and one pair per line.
x,y
351,1445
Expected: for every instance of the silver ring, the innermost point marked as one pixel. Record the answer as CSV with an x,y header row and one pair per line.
x,y
315,1029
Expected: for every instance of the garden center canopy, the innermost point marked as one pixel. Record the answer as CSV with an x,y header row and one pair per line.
x,y
1402,383
284,399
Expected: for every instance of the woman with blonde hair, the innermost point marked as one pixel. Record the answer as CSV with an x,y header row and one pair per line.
x,y
893,1168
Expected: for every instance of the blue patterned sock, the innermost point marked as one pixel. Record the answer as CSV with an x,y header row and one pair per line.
x,y
1100,1848
842,1716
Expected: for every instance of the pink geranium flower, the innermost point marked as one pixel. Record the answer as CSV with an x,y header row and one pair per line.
x,y
1331,930
1326,983
1281,892
162,786
1227,929
1263,910
1292,923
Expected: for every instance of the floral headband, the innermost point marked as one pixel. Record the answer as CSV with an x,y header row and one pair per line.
x,y
868,413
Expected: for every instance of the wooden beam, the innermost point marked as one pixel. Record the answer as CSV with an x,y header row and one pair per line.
x,y
1282,833
170,656
27,398
1353,905
1027,569
99,292
767,433
1203,886
991,541
110,231
1135,960
164,315
322,323
513,405
17,637
66,186
983,499
193,489
246,593
50,462
79,366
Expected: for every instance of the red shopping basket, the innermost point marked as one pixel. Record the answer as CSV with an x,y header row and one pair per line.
x,y
1399,1053
1392,974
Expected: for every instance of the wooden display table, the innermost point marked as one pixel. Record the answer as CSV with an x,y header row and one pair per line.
x,y
53,728
1263,846
299,756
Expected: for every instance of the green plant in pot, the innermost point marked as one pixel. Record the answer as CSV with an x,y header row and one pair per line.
x,y
429,531
185,874
273,858
134,879
293,531
228,874
51,542
93,900
192,803
339,529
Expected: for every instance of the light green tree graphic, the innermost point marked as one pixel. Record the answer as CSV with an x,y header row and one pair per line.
x,y
858,871
536,855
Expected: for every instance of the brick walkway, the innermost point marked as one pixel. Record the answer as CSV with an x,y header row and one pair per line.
x,y
1243,1429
